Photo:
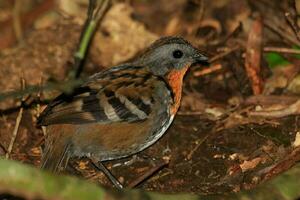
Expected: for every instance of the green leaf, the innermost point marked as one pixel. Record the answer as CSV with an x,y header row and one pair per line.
x,y
276,60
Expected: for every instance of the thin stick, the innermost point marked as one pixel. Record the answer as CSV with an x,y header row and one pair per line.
x,y
209,70
64,86
104,8
201,10
293,24
223,54
27,105
293,109
198,142
38,107
282,50
190,113
17,125
39,94
270,99
17,21
281,33
147,175
93,19
99,165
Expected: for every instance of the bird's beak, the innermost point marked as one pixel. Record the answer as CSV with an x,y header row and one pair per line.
x,y
200,59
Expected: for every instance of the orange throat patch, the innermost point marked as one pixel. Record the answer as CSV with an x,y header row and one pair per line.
x,y
175,79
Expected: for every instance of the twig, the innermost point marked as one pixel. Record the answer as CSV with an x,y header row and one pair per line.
x,y
235,32
281,33
65,86
147,175
190,113
26,105
102,10
39,94
209,70
293,109
16,20
293,24
15,132
283,165
198,144
201,9
257,132
270,99
17,125
282,50
38,109
94,16
223,54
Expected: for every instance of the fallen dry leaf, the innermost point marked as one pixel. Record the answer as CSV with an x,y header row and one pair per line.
x,y
251,164
124,37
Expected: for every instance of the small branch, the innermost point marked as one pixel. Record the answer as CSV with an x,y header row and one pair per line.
x,y
67,87
198,143
94,16
147,175
281,33
190,113
16,20
223,54
283,165
238,29
28,104
17,125
265,100
201,10
209,70
282,50
293,109
103,7
293,24
39,94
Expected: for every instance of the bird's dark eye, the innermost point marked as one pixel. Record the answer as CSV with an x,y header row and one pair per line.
x,y
177,54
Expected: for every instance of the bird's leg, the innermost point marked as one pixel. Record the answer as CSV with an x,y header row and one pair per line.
x,y
99,165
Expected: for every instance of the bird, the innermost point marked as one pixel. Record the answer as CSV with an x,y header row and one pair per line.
x,y
120,111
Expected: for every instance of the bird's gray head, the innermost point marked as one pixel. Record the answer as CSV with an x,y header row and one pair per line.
x,y
169,53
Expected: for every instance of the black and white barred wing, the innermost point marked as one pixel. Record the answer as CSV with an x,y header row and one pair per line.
x,y
114,96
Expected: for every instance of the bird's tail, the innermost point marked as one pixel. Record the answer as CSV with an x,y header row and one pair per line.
x,y
56,155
